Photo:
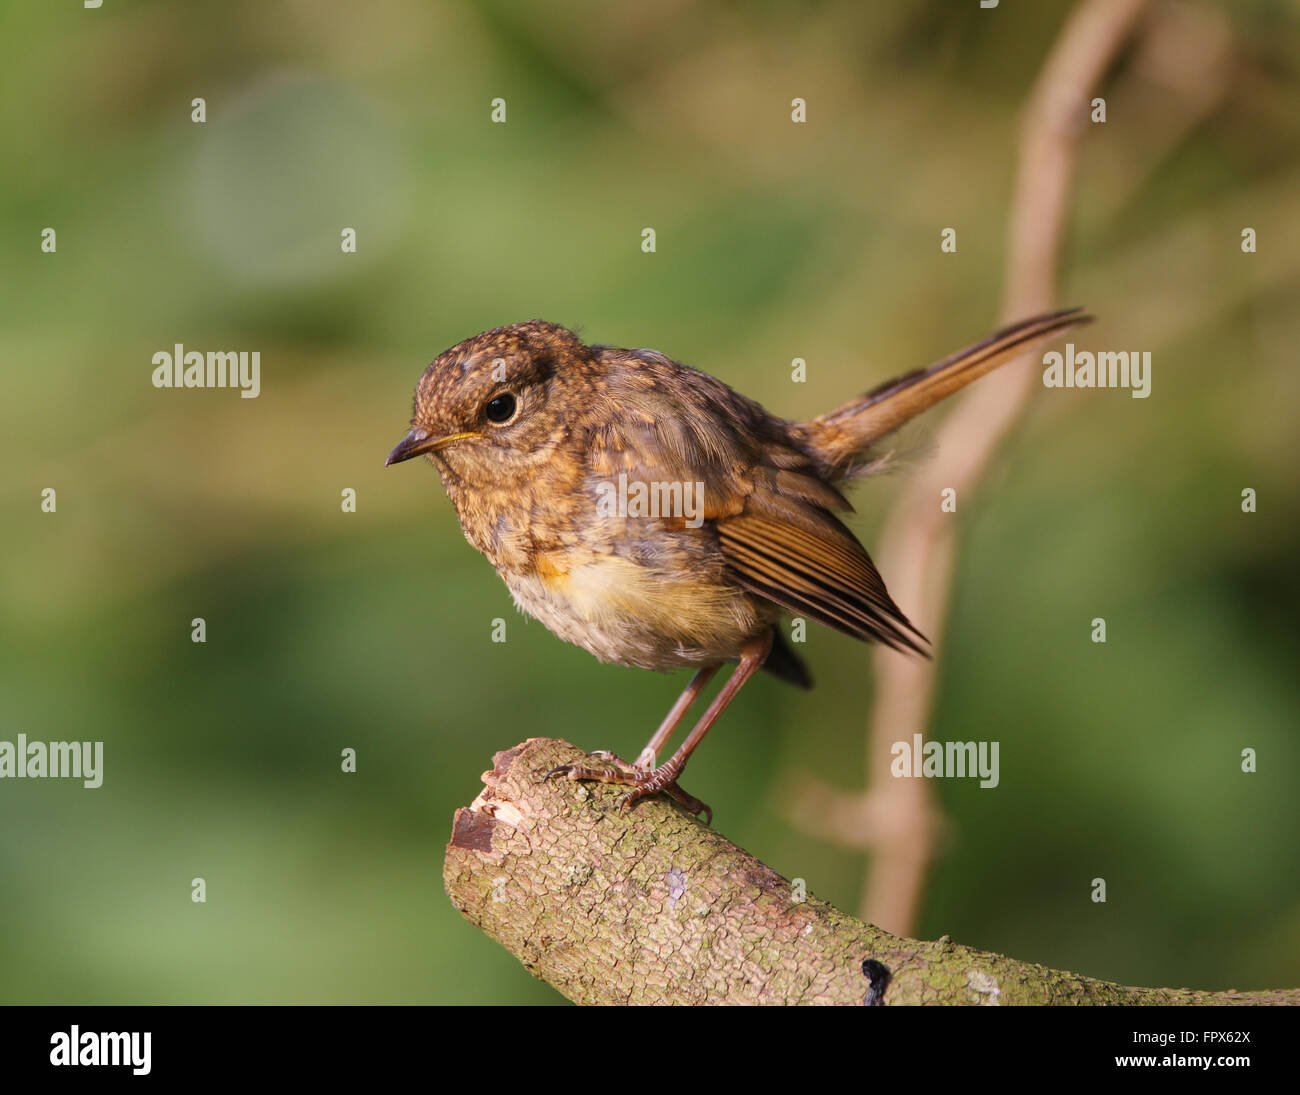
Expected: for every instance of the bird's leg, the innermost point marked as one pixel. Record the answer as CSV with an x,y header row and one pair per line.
x,y
619,771
646,780
665,776
645,762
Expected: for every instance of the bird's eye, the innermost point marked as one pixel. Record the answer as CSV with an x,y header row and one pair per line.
x,y
501,408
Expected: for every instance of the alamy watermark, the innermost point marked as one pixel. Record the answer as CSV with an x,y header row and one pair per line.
x,y
23,759
116,1049
921,759
181,368
638,498
1104,369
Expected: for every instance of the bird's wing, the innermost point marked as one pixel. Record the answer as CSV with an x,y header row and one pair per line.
x,y
771,511
803,558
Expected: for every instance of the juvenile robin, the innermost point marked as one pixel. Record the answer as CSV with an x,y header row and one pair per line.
x,y
646,512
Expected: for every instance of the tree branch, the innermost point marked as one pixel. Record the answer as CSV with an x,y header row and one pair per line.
x,y
652,907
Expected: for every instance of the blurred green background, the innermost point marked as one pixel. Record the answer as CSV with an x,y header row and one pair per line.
x,y
371,630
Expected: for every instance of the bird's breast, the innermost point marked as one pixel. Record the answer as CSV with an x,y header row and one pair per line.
x,y
636,591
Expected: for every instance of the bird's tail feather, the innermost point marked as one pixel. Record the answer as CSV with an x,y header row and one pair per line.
x,y
843,436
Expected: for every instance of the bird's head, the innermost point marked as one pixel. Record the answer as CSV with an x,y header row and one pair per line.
x,y
487,410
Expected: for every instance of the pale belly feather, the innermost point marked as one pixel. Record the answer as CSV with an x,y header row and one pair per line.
x,y
632,614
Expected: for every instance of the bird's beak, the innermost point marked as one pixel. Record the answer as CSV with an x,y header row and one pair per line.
x,y
418,441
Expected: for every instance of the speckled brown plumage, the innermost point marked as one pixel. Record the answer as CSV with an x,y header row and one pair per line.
x,y
669,589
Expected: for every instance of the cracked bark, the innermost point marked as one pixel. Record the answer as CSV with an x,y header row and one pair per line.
x,y
652,907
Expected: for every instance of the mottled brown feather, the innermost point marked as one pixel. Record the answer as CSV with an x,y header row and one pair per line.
x,y
818,570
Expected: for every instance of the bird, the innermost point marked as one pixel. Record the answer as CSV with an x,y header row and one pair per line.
x,y
652,515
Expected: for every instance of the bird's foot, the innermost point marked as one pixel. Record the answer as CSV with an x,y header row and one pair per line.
x,y
643,781
664,778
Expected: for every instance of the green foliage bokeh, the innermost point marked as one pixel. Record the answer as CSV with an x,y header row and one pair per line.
x,y
371,630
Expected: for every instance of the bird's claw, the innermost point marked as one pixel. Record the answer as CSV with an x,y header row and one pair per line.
x,y
621,773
